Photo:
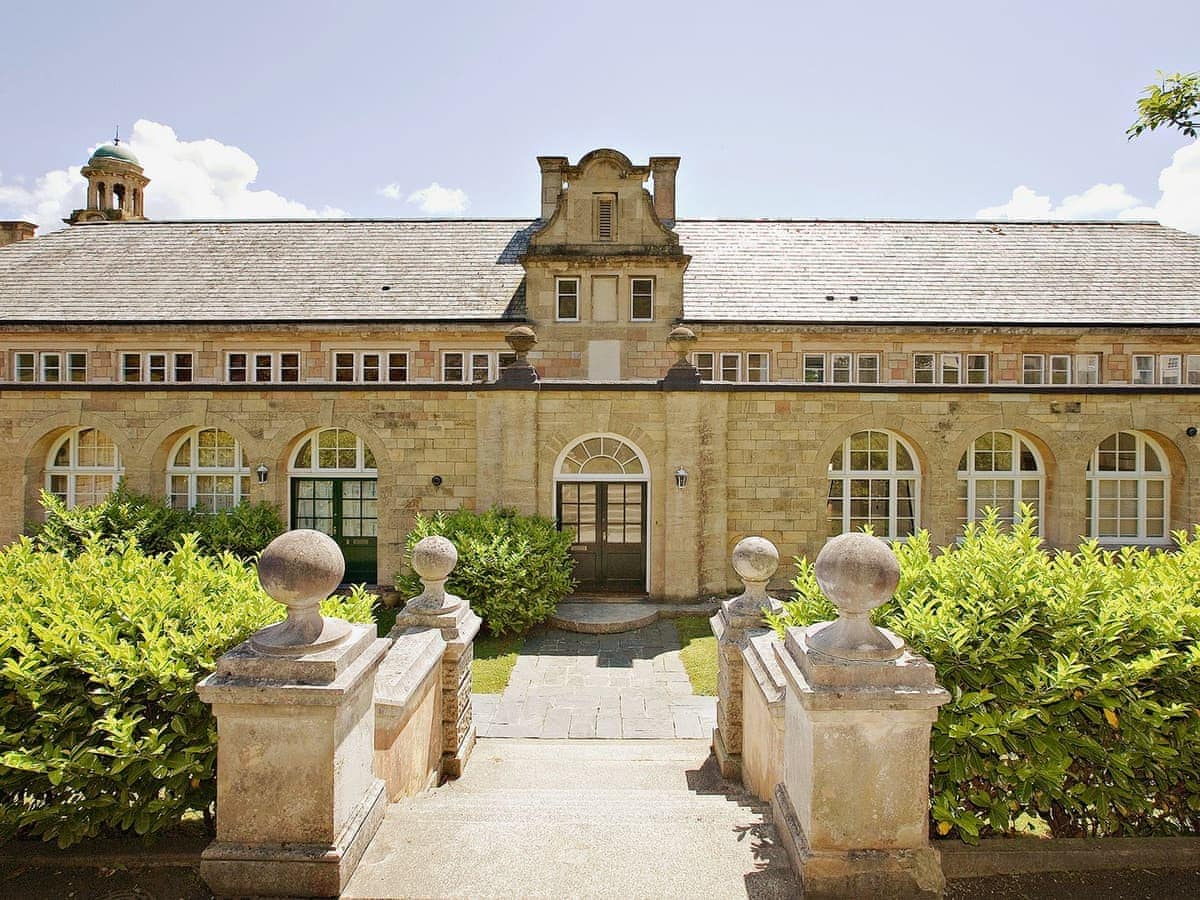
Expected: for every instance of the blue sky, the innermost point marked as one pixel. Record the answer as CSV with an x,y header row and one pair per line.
x,y
789,109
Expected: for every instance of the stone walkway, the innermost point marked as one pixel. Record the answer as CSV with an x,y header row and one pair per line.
x,y
570,685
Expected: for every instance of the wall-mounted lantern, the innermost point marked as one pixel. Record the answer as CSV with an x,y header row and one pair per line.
x,y
681,477
261,471
436,480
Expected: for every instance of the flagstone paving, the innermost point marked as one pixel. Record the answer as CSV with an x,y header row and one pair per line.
x,y
571,685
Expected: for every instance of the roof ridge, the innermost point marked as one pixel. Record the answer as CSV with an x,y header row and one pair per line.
x,y
886,220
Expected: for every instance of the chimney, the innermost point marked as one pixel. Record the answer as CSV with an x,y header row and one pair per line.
x,y
663,168
552,182
11,232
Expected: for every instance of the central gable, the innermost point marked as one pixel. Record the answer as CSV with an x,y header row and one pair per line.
x,y
600,208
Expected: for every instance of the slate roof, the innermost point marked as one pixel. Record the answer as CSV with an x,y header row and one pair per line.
x,y
1136,273
294,270
926,272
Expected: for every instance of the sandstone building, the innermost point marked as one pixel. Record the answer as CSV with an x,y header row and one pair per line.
x,y
902,374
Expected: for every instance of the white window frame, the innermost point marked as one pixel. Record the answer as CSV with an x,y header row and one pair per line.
x,y
192,470
804,368
632,294
73,469
969,477
558,295
736,359
893,475
1164,362
470,360
858,368
1086,364
1191,368
1069,374
705,361
1041,369
840,374
1141,477
934,369
764,368
358,365
970,369
37,364
1133,371
170,358
948,361
362,457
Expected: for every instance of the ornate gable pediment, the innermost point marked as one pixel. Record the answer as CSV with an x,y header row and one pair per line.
x,y
600,208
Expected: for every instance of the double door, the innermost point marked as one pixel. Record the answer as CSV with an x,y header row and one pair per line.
x,y
607,520
346,509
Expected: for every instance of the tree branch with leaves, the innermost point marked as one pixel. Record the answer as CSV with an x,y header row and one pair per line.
x,y
1174,102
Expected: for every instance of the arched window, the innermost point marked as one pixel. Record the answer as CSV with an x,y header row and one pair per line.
x,y
1000,471
333,450
873,480
595,457
1128,488
207,470
83,467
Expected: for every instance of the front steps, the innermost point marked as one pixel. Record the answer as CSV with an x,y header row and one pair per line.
x,y
617,819
614,616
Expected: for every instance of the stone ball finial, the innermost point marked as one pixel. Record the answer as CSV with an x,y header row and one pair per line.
x,y
300,569
681,340
521,339
434,558
858,573
755,559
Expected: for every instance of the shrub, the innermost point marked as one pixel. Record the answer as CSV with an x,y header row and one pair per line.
x,y
1074,678
101,729
512,569
243,530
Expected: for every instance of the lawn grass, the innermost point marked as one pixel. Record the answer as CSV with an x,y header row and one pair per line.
x,y
698,650
493,662
494,656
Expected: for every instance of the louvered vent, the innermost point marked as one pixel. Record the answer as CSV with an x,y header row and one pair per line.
x,y
604,218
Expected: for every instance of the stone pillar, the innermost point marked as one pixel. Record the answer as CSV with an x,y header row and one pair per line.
x,y
664,169
755,559
552,182
433,560
518,399
297,801
853,807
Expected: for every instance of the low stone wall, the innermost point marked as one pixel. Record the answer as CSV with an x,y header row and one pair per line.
x,y
408,714
762,717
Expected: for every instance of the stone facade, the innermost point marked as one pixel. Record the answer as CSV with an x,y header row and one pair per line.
x,y
755,454
757,458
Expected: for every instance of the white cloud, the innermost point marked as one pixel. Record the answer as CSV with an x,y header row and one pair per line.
x,y
434,200
188,180
392,191
1178,204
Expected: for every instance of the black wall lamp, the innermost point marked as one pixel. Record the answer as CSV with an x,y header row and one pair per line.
x,y
437,480
1191,431
261,472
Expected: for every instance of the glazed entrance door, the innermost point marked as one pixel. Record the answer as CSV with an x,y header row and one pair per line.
x,y
346,509
608,522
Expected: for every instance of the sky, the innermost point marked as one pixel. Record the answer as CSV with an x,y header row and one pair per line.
x,y
796,109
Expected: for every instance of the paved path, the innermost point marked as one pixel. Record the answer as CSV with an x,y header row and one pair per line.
x,y
570,685
612,819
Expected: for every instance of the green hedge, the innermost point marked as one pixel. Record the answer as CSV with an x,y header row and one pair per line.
x,y
100,727
1075,681
243,530
512,569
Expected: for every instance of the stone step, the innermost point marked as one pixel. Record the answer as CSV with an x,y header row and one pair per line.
x,y
578,819
612,617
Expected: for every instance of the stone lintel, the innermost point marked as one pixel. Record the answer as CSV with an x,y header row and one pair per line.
x,y
294,869
854,874
276,686
412,658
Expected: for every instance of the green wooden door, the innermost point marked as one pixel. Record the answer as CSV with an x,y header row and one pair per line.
x,y
608,523
346,509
